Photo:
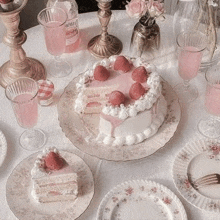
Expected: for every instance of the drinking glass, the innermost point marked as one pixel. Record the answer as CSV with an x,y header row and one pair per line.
x,y
190,44
210,127
23,96
53,20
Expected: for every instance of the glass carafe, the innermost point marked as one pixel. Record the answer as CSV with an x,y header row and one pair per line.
x,y
200,15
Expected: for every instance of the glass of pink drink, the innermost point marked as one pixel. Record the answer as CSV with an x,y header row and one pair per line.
x,y
23,96
191,45
210,127
53,21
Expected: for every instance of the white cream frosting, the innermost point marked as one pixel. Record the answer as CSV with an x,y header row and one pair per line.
x,y
122,112
136,138
130,112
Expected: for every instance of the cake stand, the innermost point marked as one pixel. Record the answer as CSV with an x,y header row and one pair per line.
x,y
78,129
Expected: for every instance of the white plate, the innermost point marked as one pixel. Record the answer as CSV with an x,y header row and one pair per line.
x,y
197,159
23,205
3,148
78,129
141,200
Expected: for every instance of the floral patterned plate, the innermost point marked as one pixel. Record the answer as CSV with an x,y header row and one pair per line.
x,y
78,129
195,160
23,205
141,199
3,148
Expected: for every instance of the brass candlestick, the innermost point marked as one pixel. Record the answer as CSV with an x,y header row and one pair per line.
x,y
104,45
19,65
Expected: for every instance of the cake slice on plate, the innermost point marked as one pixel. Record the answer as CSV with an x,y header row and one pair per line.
x,y
53,179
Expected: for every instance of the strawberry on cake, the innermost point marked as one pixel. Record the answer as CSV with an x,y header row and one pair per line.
x,y
53,179
126,93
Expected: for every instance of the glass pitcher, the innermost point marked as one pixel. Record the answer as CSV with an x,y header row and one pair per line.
x,y
200,15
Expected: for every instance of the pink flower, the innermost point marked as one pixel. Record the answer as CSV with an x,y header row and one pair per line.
x,y
215,149
136,8
129,191
155,8
167,201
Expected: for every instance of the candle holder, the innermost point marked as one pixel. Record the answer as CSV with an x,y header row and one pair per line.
x,y
19,65
104,45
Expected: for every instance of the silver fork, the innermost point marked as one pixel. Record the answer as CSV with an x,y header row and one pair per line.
x,y
207,180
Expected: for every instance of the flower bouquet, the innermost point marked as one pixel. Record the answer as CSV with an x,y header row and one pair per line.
x,y
138,8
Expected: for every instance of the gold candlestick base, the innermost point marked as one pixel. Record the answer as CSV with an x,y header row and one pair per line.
x,y
104,45
99,48
35,71
19,65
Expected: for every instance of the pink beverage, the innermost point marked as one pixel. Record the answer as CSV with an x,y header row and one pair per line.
x,y
212,99
26,110
189,62
55,37
72,26
73,47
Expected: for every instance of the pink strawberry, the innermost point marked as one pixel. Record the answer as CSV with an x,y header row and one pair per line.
x,y
140,74
53,161
116,98
136,91
5,1
101,73
121,63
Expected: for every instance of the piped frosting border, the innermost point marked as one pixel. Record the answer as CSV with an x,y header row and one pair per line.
x,y
122,112
139,137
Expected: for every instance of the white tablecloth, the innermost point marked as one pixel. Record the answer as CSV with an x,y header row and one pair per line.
x,y
107,174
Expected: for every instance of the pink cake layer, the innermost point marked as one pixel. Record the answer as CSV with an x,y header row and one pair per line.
x,y
122,81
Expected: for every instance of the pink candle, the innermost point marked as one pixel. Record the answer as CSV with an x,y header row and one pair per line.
x,y
212,100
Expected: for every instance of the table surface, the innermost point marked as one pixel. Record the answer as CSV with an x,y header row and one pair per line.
x,y
107,174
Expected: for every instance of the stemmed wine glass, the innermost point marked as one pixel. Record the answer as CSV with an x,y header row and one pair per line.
x,y
210,127
190,44
53,20
23,96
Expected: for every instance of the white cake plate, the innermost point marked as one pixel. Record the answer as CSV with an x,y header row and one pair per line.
x,y
23,205
79,128
3,148
141,199
197,159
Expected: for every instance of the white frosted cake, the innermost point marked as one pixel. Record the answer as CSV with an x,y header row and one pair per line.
x,y
53,179
126,93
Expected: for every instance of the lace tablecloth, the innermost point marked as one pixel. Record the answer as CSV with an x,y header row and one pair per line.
x,y
107,174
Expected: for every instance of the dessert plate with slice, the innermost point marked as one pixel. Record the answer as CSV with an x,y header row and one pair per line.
x,y
79,130
3,147
24,206
198,159
141,199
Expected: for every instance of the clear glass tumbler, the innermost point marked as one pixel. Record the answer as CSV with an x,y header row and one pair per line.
x,y
53,20
210,127
191,44
23,96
